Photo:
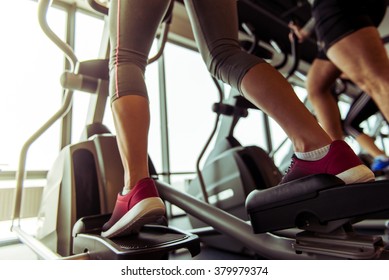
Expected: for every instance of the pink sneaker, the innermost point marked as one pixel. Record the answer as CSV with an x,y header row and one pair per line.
x,y
340,161
140,206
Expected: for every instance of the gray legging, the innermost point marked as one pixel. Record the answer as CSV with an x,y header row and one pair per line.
x,y
133,25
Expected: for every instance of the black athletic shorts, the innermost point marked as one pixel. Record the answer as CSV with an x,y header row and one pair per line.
x,y
336,19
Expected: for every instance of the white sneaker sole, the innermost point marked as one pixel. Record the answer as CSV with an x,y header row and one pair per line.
x,y
146,211
357,174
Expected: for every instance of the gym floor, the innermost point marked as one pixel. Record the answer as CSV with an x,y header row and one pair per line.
x,y
10,248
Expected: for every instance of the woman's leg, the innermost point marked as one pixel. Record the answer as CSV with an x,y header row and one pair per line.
x,y
321,78
133,25
260,83
267,89
131,118
257,81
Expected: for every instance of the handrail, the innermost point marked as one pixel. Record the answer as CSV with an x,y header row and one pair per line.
x,y
21,172
295,47
99,7
163,40
43,7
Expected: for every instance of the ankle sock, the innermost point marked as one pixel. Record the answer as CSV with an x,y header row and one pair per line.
x,y
125,190
313,155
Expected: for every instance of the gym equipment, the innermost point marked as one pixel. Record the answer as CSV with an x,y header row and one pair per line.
x,y
231,171
83,184
325,209
323,233
278,13
152,242
326,229
227,178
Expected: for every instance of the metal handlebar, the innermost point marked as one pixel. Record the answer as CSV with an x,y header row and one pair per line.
x,y
295,50
43,7
99,6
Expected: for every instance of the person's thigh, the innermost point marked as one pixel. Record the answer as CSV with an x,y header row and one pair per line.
x,y
361,56
322,75
336,19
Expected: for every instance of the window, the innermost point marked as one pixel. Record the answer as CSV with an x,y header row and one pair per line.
x,y
152,83
30,89
190,95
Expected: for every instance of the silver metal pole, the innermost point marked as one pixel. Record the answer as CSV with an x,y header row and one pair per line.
x,y
43,7
267,245
20,174
38,247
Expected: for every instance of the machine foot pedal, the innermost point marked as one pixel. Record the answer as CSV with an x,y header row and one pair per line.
x,y
152,242
321,197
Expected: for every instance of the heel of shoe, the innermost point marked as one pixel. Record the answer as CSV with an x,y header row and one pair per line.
x,y
357,174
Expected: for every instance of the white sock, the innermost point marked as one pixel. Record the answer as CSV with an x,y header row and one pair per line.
x,y
125,190
313,155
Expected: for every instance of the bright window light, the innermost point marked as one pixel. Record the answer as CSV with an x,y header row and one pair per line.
x,y
30,89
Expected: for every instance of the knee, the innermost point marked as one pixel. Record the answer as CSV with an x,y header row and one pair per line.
x,y
121,57
321,79
374,84
228,63
318,87
219,61
127,75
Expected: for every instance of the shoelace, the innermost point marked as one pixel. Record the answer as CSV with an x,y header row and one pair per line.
x,y
291,165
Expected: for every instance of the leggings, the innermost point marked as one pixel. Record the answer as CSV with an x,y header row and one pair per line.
x,y
133,26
